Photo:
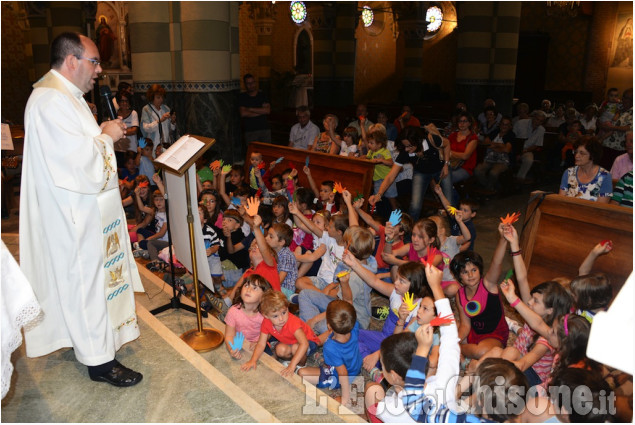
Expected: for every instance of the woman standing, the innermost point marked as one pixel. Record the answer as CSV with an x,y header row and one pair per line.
x,y
463,144
587,180
156,120
423,153
130,118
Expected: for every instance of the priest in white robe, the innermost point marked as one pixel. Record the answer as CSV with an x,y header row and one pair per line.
x,y
74,244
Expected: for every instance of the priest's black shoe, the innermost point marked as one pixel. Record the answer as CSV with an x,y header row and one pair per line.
x,y
119,376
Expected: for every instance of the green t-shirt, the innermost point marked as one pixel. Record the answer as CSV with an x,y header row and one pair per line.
x,y
381,170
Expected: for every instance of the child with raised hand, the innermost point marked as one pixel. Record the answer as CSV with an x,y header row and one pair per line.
x,y
411,279
280,208
591,293
348,287
483,324
468,209
296,340
279,237
244,315
424,237
325,198
598,250
257,167
402,230
310,259
328,141
395,377
330,249
531,353
342,361
144,211
236,199
450,246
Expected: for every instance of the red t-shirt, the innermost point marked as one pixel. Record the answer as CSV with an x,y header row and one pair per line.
x,y
286,334
412,122
269,273
456,146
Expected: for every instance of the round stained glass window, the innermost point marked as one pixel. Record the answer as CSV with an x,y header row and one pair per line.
x,y
434,17
367,16
298,11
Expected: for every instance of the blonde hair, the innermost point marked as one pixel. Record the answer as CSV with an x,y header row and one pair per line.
x,y
273,301
441,224
360,242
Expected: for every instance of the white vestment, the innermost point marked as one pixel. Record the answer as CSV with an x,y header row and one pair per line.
x,y
74,244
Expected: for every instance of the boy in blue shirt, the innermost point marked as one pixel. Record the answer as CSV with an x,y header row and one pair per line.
x,y
342,359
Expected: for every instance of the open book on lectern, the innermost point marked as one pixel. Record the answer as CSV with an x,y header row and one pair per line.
x,y
183,153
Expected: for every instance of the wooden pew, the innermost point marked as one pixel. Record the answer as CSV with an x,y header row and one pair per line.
x,y
560,231
355,174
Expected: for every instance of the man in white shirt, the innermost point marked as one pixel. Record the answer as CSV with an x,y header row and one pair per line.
x,y
533,132
74,244
304,132
361,111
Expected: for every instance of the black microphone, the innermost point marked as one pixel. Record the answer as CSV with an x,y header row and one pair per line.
x,y
107,94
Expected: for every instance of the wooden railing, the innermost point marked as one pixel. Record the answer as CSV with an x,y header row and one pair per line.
x,y
560,231
355,174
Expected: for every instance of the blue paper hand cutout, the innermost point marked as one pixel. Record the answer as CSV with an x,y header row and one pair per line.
x,y
395,217
236,200
239,339
306,161
142,142
279,160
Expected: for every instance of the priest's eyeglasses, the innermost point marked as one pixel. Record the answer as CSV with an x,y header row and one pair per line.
x,y
95,62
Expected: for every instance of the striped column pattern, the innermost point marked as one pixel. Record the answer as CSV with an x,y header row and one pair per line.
x,y
486,53
47,22
322,20
264,17
345,22
153,38
412,25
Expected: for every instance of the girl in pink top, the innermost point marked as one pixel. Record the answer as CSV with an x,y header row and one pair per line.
x,y
244,316
483,324
424,237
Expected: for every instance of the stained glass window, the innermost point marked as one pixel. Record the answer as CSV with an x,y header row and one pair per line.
x,y
298,11
434,17
367,16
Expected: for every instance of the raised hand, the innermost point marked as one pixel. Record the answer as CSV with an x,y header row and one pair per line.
x,y
424,336
346,195
226,169
509,233
408,299
390,230
257,221
349,259
156,179
216,165
293,208
337,187
509,290
306,170
603,247
510,219
358,202
395,217
373,199
252,206
433,275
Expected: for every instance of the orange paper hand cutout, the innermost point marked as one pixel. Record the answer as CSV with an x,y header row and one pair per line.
x,y
510,219
216,164
252,206
338,188
445,320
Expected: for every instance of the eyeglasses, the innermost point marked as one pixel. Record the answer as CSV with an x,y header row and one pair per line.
x,y
95,62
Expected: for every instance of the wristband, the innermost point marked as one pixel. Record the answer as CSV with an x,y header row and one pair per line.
x,y
515,303
388,240
516,253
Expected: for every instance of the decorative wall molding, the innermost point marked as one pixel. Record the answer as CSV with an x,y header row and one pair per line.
x,y
190,86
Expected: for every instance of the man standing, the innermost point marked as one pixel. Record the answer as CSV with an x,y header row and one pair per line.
x,y
304,132
74,244
254,108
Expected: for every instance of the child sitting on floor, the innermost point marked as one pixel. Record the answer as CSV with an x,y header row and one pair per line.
x,y
342,361
295,339
244,316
